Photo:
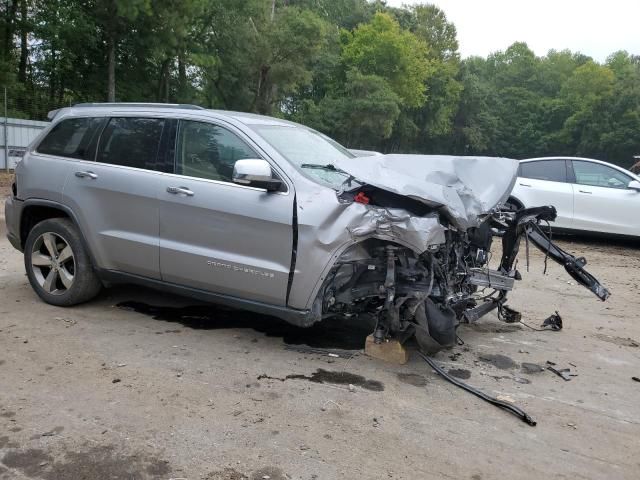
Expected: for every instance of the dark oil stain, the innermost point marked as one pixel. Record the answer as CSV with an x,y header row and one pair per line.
x,y
8,414
491,327
102,462
2,362
623,342
106,462
3,441
330,333
497,360
459,373
15,429
272,473
27,461
337,378
412,379
226,474
531,368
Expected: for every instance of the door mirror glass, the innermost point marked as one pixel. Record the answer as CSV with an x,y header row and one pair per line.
x,y
255,173
634,185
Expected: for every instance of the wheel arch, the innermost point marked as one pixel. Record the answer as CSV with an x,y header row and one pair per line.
x,y
35,211
514,200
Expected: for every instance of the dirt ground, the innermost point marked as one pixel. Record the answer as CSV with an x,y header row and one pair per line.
x,y
101,391
5,185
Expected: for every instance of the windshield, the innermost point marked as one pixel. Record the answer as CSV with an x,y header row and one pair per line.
x,y
307,150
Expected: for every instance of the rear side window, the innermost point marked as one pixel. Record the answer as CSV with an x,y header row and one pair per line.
x,y
131,142
73,138
551,170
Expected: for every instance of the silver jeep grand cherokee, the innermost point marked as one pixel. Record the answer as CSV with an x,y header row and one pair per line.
x,y
270,216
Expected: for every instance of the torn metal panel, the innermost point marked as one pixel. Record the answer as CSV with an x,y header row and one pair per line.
x,y
396,224
413,256
328,226
464,188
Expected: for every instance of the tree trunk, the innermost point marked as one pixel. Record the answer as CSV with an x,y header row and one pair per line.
x,y
52,76
163,84
24,47
9,26
182,80
111,69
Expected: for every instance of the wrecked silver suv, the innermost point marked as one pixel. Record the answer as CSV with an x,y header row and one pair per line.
x,y
270,216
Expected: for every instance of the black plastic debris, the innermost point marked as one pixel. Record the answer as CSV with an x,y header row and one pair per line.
x,y
488,398
636,379
564,373
554,322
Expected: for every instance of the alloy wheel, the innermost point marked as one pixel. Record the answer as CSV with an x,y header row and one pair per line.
x,y
53,263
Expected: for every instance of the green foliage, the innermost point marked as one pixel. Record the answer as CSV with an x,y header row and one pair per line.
x,y
369,75
382,48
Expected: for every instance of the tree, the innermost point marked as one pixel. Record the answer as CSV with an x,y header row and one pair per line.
x,y
362,113
381,48
114,18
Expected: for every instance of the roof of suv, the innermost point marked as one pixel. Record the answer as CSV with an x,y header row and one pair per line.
x,y
246,118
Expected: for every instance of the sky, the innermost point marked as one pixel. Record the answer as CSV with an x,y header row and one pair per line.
x,y
594,27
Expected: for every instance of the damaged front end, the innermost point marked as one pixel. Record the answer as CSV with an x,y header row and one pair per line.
x,y
420,267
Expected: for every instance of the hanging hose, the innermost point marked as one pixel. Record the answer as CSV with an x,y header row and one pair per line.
x,y
488,398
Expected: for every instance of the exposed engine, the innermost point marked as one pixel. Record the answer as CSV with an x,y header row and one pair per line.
x,y
429,294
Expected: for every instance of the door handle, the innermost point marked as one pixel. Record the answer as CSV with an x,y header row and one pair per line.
x,y
585,191
90,175
525,185
180,190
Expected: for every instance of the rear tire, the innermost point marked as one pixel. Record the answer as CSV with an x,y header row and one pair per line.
x,y
58,265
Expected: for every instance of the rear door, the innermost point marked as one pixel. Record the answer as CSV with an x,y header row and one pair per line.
x,y
544,182
603,201
216,235
115,196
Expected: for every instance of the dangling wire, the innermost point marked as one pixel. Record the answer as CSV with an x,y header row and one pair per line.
x,y
546,254
526,241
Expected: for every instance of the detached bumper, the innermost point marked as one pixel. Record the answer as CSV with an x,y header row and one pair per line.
x,y
12,210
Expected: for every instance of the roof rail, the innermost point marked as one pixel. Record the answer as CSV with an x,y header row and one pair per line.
x,y
140,104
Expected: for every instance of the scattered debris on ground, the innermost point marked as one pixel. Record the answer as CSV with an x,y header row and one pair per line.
x,y
506,405
564,373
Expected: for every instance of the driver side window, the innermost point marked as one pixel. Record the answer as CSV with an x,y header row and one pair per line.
x,y
597,175
208,151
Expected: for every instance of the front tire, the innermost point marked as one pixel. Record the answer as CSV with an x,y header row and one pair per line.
x,y
58,265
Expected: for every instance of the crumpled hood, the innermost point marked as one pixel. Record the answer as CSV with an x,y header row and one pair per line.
x,y
465,188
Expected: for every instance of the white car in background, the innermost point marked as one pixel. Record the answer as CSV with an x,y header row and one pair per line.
x,y
590,196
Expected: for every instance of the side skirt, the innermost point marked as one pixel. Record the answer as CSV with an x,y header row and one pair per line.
x,y
295,317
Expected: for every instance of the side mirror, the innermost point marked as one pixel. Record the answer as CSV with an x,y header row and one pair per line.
x,y
634,185
257,173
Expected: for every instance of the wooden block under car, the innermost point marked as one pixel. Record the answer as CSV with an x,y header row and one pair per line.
x,y
389,351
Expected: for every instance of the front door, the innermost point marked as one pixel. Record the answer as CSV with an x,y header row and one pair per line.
x,y
603,201
216,235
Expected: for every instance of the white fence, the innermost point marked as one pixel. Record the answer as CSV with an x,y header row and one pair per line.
x,y
19,134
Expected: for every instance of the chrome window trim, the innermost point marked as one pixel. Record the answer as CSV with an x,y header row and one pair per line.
x,y
155,172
